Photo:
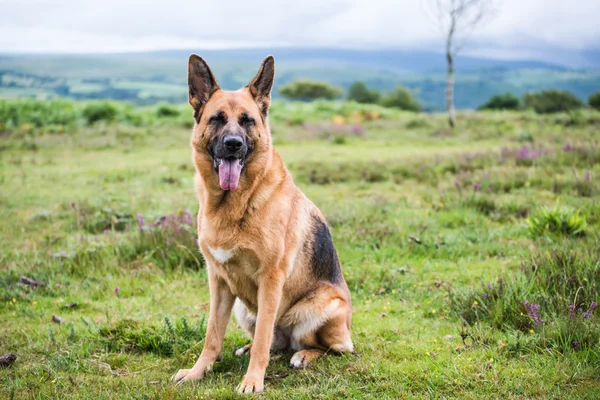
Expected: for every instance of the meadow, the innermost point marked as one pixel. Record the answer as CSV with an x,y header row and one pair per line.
x,y
472,254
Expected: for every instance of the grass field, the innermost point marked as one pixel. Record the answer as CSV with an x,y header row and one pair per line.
x,y
463,285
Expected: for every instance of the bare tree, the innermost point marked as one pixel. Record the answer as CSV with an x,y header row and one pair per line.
x,y
457,19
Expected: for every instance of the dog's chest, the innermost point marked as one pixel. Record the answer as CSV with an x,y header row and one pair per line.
x,y
238,267
220,255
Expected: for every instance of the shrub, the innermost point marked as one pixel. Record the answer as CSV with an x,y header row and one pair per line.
x,y
555,296
360,93
551,101
558,221
306,90
53,116
400,98
506,101
594,101
170,241
95,112
167,111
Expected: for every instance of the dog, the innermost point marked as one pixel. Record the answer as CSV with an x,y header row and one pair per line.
x,y
269,253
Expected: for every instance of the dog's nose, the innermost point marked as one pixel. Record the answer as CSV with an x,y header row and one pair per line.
x,y
233,143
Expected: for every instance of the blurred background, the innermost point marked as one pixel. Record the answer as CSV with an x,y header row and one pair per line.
x,y
128,50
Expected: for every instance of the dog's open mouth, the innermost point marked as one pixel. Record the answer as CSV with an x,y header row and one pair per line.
x,y
229,172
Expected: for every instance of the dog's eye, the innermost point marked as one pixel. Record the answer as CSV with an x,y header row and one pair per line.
x,y
218,118
246,120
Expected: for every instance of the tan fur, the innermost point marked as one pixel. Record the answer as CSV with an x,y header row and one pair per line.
x,y
254,243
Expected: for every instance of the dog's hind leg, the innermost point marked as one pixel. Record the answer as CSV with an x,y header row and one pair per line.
x,y
247,321
332,336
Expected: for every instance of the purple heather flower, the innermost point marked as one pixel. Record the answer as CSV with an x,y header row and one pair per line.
x,y
476,186
117,291
572,311
575,344
534,313
489,287
106,230
590,310
358,129
140,218
524,152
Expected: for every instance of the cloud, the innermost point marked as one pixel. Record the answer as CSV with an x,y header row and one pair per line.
x,y
523,27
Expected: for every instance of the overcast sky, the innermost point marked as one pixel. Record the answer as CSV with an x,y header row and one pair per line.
x,y
519,29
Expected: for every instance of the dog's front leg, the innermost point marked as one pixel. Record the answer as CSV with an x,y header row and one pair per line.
x,y
221,303
269,297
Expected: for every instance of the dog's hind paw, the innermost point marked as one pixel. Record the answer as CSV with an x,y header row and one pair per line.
x,y
302,358
243,350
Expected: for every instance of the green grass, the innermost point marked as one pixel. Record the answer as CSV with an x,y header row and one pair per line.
x,y
424,220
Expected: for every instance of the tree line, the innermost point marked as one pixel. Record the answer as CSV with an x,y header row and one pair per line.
x,y
546,101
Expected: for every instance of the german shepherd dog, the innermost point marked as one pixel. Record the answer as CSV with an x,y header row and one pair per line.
x,y
269,253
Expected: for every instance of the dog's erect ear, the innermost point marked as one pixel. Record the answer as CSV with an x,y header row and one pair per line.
x,y
201,83
261,85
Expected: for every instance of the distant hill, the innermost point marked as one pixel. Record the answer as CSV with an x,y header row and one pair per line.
x,y
394,60
161,75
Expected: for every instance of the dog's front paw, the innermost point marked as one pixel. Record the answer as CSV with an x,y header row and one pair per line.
x,y
251,385
185,375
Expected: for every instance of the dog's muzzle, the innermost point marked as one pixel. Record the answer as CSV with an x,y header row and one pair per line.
x,y
230,153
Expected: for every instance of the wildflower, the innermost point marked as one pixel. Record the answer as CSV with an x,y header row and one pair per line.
x,y
106,230
531,331
489,287
575,344
588,175
476,186
433,311
475,303
524,152
590,310
117,291
358,129
572,311
534,313
140,218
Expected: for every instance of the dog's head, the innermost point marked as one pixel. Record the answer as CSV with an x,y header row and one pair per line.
x,y
231,131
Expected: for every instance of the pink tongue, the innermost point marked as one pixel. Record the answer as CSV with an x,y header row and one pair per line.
x,y
229,174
